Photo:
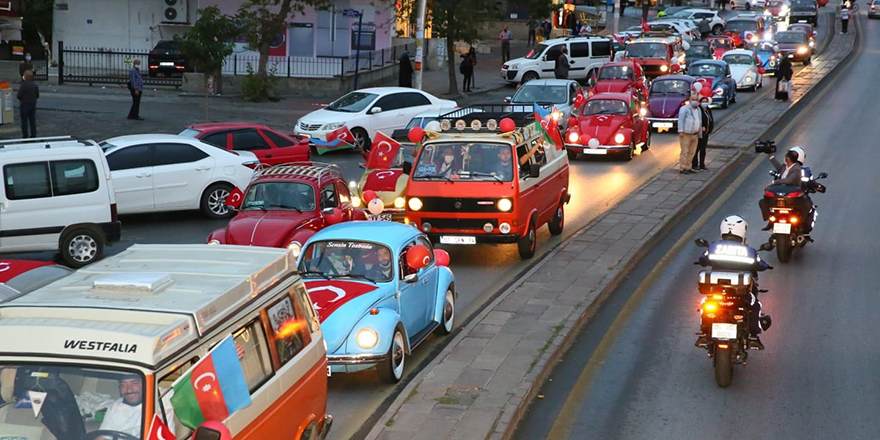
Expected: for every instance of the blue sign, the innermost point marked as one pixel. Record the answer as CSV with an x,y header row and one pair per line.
x,y
89,21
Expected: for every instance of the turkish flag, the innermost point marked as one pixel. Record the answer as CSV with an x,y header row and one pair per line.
x,y
383,152
234,198
159,430
645,27
10,269
342,133
383,180
327,296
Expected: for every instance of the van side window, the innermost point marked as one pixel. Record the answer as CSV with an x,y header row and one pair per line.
x,y
601,49
288,329
27,181
303,296
253,352
73,177
580,50
553,52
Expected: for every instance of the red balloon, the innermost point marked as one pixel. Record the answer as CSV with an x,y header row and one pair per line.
x,y
333,217
369,195
217,427
507,125
706,91
441,257
416,134
418,257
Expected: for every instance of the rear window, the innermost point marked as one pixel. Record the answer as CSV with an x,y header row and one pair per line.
x,y
167,45
808,5
46,179
189,132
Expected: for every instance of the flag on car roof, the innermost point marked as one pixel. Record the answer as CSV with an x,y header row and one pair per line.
x,y
383,152
548,126
213,389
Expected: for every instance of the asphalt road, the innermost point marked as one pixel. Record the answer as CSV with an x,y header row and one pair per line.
x,y
634,372
481,271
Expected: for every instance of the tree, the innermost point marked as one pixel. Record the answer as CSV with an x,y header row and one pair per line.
x,y
262,21
208,43
36,19
459,20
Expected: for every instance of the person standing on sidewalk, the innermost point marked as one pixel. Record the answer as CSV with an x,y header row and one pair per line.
x,y
467,69
646,6
136,88
547,28
26,65
623,6
27,96
708,124
784,73
533,26
689,127
505,38
560,69
844,18
406,70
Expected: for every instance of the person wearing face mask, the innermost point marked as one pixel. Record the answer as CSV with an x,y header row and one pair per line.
x,y
445,162
26,65
708,123
689,127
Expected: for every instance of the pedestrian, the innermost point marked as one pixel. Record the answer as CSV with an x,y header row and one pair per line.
x,y
586,30
689,127
707,125
136,88
783,79
704,28
547,28
561,67
844,18
623,4
406,70
473,54
467,70
722,4
505,37
539,34
27,96
26,64
646,6
533,27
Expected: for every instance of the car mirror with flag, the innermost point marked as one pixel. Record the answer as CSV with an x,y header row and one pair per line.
x,y
338,139
213,389
159,430
234,199
383,152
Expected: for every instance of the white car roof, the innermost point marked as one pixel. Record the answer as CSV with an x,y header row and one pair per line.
x,y
389,90
701,10
123,141
550,82
574,39
739,52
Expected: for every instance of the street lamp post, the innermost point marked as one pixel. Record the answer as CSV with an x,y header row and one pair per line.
x,y
357,52
420,43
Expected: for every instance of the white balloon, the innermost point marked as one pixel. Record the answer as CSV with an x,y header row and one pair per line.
x,y
685,45
698,86
593,143
376,206
433,126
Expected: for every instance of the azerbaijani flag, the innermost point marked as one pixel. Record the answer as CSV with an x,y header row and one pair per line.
x,y
336,144
213,389
548,126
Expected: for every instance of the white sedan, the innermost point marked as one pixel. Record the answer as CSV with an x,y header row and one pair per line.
x,y
745,68
716,23
367,111
161,172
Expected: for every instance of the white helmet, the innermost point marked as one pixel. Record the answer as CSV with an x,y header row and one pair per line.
x,y
802,154
736,226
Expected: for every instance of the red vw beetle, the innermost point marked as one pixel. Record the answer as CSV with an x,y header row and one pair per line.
x,y
609,123
620,77
723,43
270,146
285,205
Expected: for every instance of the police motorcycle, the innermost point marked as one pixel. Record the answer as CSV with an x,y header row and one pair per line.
x,y
790,207
730,313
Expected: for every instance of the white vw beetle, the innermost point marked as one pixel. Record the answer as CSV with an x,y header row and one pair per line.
x,y
745,68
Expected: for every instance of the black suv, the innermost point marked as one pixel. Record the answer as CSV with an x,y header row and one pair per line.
x,y
166,58
804,11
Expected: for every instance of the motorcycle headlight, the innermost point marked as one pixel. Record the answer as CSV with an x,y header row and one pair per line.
x,y
619,138
367,337
399,202
664,68
802,50
415,204
295,247
214,241
504,205
332,125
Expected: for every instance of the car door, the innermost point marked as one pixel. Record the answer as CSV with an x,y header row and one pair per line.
x,y
286,150
386,120
548,61
414,297
579,60
131,169
412,103
249,139
180,173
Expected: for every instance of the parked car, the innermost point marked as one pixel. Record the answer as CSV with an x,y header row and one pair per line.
x,y
768,54
18,277
167,58
558,93
57,195
380,290
657,55
285,205
585,54
874,10
665,97
807,29
804,11
699,50
686,29
716,23
270,146
609,124
747,4
620,77
795,45
718,76
745,69
367,111
747,28
164,172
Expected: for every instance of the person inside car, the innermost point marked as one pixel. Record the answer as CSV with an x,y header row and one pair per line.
x,y
503,168
445,162
383,269
124,415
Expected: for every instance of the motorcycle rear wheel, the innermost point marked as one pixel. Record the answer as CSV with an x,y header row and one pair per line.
x,y
783,248
723,366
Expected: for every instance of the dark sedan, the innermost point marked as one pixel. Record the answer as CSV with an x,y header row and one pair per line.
x,y
167,59
795,45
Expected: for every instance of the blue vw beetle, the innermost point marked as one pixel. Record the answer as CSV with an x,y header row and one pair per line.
x,y
379,290
768,53
715,74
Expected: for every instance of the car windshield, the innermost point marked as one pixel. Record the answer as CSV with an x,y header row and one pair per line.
x,y
353,102
682,14
605,107
167,45
671,87
739,59
790,37
279,196
763,47
616,72
706,69
471,161
189,132
535,53
723,43
809,5
348,259
647,50
699,50
529,93
739,26
70,400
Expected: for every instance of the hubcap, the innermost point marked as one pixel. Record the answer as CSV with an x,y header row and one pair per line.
x,y
359,140
449,311
532,238
397,355
82,248
217,201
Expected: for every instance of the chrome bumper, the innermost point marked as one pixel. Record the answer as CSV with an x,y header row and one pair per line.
x,y
601,150
355,359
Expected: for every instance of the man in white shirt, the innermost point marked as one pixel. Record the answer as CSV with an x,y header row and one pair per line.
x,y
690,121
125,415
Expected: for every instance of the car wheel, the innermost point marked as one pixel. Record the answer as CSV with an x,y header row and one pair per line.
x,y
81,247
529,76
557,223
391,369
214,201
647,140
448,322
628,156
572,155
717,29
527,244
808,60
725,104
361,139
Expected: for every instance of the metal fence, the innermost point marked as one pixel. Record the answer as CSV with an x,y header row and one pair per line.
x,y
104,66
313,67
41,70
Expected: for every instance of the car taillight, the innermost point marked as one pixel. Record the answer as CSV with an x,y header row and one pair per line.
x,y
114,216
795,194
769,194
252,164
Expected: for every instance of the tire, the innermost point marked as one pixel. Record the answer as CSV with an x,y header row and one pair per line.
x,y
808,60
628,156
213,203
527,244
572,155
81,247
783,248
529,76
448,322
391,370
717,29
557,223
361,139
726,102
647,140
723,366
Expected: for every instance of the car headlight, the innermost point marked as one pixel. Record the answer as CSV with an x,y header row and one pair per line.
x,y
748,78
512,66
367,337
802,50
719,91
643,111
415,204
355,201
573,137
619,138
214,241
332,125
664,68
399,202
295,247
504,205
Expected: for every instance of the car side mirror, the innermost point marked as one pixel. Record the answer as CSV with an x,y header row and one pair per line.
x,y
822,175
534,171
407,168
411,278
375,110
701,243
507,99
766,247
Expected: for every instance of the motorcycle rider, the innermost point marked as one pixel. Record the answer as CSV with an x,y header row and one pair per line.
x,y
733,233
792,172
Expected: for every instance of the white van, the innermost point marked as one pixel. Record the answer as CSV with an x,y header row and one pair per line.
x,y
57,195
585,54
102,347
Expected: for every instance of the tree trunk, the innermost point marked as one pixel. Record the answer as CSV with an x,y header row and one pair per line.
x,y
450,65
206,98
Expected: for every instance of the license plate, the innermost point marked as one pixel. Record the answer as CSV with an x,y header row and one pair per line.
x,y
782,228
329,370
449,239
723,331
663,125
802,21
598,152
166,64
385,217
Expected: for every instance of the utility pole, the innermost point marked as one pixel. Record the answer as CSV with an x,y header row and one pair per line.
x,y
420,42
357,54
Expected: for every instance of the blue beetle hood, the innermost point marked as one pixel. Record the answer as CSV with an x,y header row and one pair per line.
x,y
341,304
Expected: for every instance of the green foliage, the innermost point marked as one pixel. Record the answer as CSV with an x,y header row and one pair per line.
x,y
209,41
541,9
258,88
36,18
